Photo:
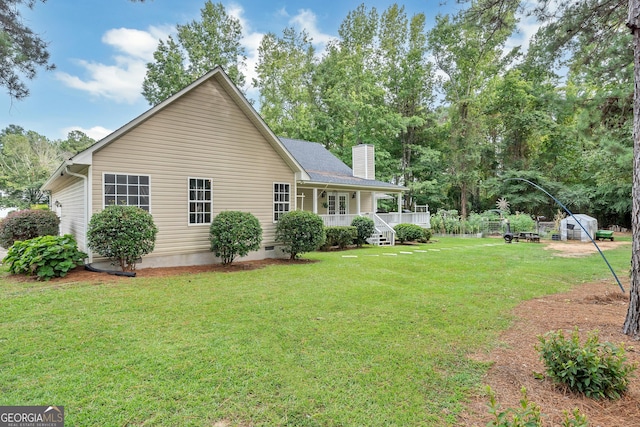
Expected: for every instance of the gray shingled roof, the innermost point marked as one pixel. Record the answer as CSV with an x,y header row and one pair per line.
x,y
324,167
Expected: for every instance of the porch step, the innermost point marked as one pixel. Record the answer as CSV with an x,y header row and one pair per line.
x,y
378,240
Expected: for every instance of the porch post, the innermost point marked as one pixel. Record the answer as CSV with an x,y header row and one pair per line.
x,y
374,202
400,208
358,202
315,201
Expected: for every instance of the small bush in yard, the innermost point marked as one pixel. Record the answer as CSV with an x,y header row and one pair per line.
x,y
595,369
123,234
340,236
300,232
528,414
234,233
44,256
27,224
409,233
365,227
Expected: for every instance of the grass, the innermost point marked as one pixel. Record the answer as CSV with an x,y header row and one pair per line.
x,y
377,340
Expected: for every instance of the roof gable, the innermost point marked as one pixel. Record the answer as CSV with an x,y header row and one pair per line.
x,y
86,157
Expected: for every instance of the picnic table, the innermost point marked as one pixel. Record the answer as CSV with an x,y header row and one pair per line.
x,y
527,236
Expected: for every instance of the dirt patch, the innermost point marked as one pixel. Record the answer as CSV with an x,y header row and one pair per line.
x,y
574,248
595,306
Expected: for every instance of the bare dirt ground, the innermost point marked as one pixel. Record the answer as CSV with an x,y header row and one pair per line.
x,y
593,306
597,306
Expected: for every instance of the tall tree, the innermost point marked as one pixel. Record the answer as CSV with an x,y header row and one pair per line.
x,y
200,46
468,49
632,322
284,73
22,51
407,78
76,142
26,161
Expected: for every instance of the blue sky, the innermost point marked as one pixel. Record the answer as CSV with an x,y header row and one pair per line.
x,y
100,49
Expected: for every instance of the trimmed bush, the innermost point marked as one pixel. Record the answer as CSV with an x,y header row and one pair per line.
x,y
234,233
123,234
410,233
27,224
595,369
341,236
300,232
44,256
365,227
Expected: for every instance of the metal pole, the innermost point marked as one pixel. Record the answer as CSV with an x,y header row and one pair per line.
x,y
579,223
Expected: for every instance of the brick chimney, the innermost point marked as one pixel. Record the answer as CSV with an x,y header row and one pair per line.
x,y
363,161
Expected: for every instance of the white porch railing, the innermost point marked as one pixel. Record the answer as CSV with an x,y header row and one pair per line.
x,y
337,220
383,230
422,219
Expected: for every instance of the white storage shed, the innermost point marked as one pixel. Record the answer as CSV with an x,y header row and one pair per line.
x,y
571,230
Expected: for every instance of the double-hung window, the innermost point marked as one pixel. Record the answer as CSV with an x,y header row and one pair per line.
x,y
281,200
127,190
200,201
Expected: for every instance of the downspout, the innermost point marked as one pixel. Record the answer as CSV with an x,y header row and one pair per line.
x,y
86,207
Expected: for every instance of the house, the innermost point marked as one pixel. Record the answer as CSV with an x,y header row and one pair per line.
x,y
202,151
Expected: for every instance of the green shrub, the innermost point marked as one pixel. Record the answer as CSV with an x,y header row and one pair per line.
x,y
44,256
409,233
528,414
426,235
521,222
365,227
300,232
341,236
234,233
123,234
594,369
27,224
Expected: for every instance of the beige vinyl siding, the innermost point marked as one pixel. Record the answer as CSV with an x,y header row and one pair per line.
x,y
72,219
202,134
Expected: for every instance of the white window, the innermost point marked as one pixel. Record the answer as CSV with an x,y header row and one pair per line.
x,y
127,190
200,201
281,199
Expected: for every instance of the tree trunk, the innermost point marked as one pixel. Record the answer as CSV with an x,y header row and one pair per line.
x,y
632,322
464,199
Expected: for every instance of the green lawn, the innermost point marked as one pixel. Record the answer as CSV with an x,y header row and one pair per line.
x,y
371,339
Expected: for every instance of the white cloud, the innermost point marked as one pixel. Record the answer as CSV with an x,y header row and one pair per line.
x,y
121,81
96,132
307,20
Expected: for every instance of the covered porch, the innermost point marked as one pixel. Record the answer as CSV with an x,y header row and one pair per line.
x,y
338,206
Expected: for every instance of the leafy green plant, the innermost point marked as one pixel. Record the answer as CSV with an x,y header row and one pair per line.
x,y
521,222
44,256
234,233
27,224
123,234
598,370
410,233
300,232
340,236
527,414
365,227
